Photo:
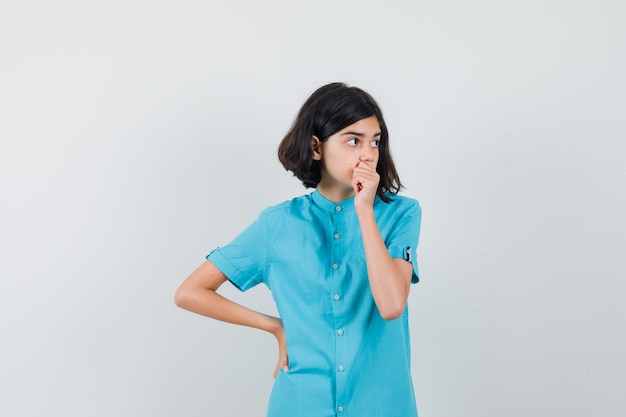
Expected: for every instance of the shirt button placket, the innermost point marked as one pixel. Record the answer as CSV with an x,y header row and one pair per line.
x,y
338,255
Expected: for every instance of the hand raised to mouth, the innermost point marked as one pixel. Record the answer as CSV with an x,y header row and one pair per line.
x,y
365,181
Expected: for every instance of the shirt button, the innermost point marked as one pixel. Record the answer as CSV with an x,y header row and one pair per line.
x,y
337,235
341,368
335,266
339,332
337,208
340,409
336,297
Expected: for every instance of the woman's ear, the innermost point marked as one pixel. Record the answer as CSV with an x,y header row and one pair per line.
x,y
316,147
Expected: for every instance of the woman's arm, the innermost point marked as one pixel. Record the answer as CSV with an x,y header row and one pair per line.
x,y
390,278
198,294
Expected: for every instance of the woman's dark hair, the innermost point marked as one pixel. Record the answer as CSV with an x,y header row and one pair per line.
x,y
328,110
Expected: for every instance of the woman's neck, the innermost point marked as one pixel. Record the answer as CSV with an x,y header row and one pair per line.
x,y
336,194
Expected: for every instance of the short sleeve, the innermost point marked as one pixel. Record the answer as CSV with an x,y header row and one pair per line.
x,y
403,239
244,260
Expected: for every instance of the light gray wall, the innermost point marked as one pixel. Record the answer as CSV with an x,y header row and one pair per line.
x,y
136,136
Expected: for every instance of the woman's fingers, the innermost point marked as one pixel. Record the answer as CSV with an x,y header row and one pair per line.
x,y
365,181
364,173
283,359
283,363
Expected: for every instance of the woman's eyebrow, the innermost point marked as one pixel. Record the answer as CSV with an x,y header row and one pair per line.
x,y
359,134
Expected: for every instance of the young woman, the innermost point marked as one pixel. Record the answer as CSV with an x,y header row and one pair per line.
x,y
338,261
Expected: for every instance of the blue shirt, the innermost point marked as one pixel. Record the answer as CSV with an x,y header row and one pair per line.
x,y
344,358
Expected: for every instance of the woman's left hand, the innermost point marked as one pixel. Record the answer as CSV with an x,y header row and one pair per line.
x,y
365,181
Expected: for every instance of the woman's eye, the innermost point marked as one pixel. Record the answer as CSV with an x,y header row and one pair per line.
x,y
375,143
351,142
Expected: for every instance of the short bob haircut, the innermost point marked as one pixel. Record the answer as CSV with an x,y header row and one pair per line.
x,y
328,110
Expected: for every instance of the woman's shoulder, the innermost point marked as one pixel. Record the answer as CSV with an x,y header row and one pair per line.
x,y
401,203
287,206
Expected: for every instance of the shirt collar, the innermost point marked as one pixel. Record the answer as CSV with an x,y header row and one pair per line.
x,y
327,205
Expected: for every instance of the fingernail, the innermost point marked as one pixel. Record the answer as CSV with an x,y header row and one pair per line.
x,y
285,368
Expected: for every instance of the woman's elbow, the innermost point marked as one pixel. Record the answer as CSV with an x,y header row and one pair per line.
x,y
181,297
392,312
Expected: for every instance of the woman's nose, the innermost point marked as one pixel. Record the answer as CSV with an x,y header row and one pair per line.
x,y
367,154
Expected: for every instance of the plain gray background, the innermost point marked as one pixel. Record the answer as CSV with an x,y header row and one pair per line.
x,y
136,136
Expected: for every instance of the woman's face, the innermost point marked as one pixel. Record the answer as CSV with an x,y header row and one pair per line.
x,y
344,150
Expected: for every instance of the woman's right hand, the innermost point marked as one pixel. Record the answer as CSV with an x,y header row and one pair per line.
x,y
283,360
